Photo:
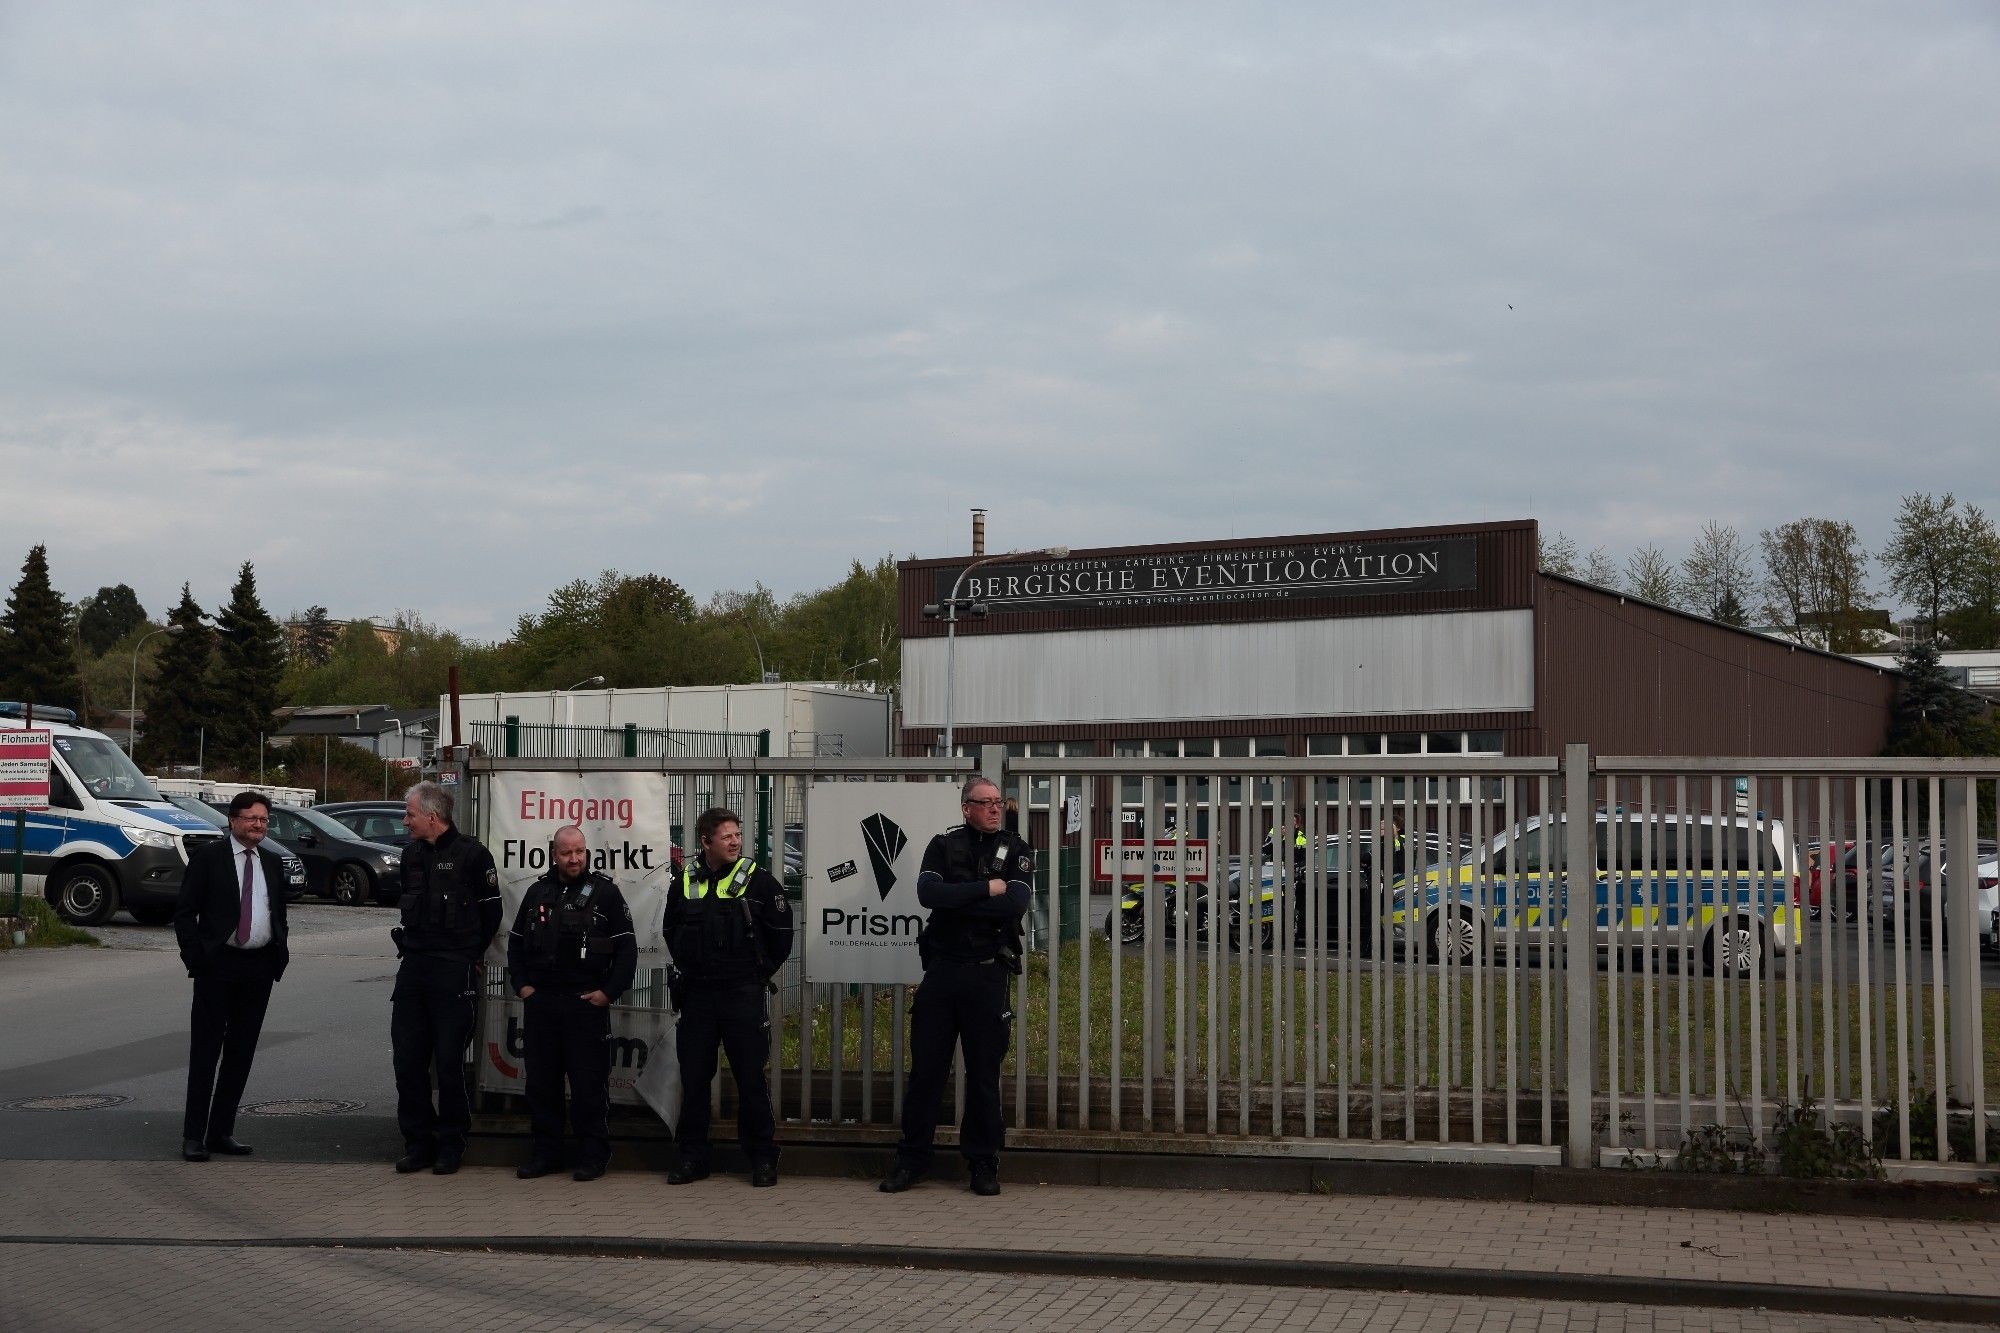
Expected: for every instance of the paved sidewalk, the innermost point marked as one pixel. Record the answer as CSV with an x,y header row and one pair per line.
x,y
222,1290
1167,1233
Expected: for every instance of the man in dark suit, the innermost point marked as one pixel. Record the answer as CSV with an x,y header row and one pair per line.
x,y
230,922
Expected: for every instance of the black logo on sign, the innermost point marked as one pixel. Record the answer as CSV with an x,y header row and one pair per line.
x,y
885,843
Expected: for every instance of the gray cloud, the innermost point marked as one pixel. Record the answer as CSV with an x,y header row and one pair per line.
x,y
449,306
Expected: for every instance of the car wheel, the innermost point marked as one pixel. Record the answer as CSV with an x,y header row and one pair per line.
x,y
352,885
156,915
1455,935
84,894
1733,948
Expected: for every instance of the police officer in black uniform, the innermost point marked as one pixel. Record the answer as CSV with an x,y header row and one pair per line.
x,y
728,928
975,882
570,955
451,912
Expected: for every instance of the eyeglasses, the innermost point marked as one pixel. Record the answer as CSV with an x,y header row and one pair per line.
x,y
990,802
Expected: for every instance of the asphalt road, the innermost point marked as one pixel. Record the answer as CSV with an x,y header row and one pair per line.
x,y
114,1022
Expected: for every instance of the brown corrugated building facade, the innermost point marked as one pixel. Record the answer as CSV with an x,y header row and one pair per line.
x,y
1445,640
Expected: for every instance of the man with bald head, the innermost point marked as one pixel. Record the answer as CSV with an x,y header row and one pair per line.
x,y
572,953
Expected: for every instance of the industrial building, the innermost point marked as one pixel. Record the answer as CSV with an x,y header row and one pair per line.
x,y
1398,641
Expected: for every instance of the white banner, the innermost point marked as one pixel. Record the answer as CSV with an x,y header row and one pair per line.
x,y
625,821
865,843
503,1048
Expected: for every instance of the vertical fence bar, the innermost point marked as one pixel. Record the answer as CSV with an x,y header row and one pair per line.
x,y
1216,896
1867,954
1249,900
1580,929
1058,838
1616,1049
1283,871
1900,915
1315,1051
1517,954
1487,940
1796,947
1018,1048
1116,928
1086,878
1152,1028
1649,880
1934,891
1183,925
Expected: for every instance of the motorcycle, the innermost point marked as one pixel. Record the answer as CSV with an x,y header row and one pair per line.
x,y
1128,919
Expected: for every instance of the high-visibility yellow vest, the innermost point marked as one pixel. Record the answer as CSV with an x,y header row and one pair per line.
x,y
730,886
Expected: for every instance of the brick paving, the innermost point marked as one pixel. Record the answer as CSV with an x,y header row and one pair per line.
x,y
249,1200
254,1290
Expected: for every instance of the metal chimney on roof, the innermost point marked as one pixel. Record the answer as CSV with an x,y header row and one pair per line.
x,y
979,532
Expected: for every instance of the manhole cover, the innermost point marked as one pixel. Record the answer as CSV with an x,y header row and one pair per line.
x,y
76,1101
304,1106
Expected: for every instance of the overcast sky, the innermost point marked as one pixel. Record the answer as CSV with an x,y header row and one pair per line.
x,y
437,307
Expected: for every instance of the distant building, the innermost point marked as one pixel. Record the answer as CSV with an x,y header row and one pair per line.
x,y
392,733
1972,669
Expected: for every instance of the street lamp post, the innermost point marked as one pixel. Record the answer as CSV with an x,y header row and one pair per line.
x,y
132,717
848,671
569,704
948,609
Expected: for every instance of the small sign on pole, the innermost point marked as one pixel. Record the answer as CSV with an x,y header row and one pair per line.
x,y
24,770
1073,813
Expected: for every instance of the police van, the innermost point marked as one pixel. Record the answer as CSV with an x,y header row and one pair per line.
x,y
108,839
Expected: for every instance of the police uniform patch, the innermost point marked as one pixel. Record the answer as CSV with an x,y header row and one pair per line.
x,y
492,878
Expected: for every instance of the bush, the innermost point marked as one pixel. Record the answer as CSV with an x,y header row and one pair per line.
x,y
46,930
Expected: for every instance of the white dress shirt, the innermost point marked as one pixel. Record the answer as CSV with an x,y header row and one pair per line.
x,y
260,896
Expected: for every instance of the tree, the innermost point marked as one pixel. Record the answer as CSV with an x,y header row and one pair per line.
x,y
314,636
1558,556
107,616
1973,620
1933,716
1815,577
1715,577
36,665
249,671
180,707
1600,569
1926,554
1650,575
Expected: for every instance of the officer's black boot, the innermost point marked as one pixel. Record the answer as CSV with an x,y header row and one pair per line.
x,y
985,1177
450,1156
537,1167
416,1159
687,1170
763,1174
901,1176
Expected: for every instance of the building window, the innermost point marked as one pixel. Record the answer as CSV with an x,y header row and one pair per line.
x,y
1986,676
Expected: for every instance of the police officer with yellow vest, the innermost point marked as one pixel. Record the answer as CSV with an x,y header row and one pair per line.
x,y
451,912
975,883
570,956
728,928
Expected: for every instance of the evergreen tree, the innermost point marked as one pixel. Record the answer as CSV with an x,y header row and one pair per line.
x,y
36,665
108,616
179,706
1932,715
314,637
249,671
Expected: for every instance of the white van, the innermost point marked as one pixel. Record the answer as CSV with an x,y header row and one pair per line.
x,y
108,839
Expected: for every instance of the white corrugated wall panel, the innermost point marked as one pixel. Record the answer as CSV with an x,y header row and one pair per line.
x,y
1460,662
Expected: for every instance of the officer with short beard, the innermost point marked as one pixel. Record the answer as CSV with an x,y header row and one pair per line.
x,y
571,954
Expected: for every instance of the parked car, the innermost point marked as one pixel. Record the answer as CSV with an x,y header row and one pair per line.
x,y
1724,890
374,821
1920,891
339,866
295,869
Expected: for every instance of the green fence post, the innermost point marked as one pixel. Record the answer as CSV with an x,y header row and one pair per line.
x,y
631,740
511,746
764,802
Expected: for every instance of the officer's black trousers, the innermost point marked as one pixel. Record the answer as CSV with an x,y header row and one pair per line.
x,y
736,1020
958,1004
431,1016
568,1036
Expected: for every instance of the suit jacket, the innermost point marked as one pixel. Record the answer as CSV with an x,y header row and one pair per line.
x,y
211,902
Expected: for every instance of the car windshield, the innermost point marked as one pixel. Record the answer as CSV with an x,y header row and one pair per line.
x,y
104,770
323,824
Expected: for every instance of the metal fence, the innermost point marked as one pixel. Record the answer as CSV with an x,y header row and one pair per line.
x,y
1394,958
513,738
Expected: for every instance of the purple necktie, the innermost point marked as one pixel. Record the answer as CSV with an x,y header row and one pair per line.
x,y
243,916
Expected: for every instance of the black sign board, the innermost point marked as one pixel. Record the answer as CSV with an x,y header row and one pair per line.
x,y
1221,575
